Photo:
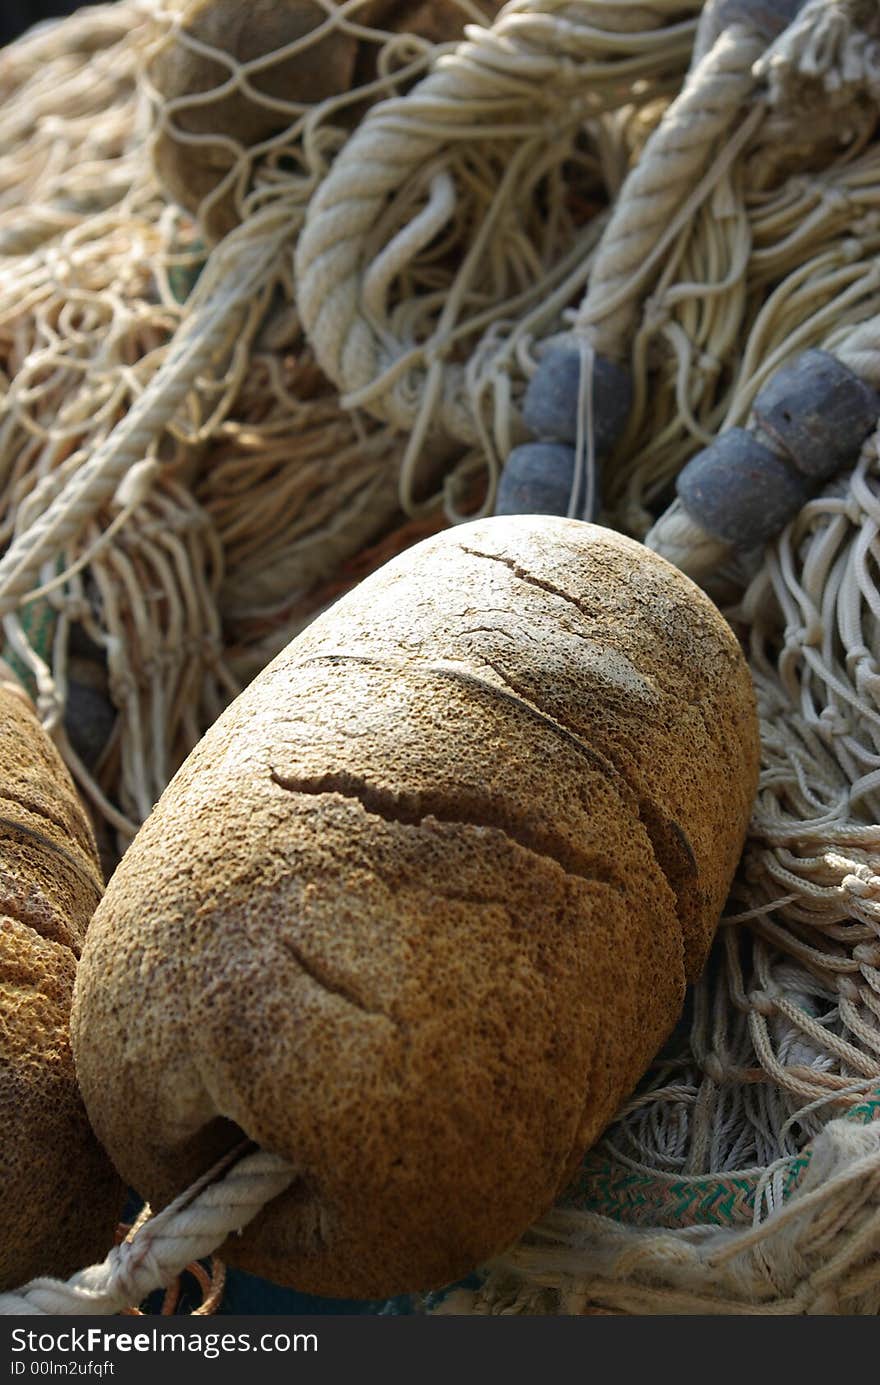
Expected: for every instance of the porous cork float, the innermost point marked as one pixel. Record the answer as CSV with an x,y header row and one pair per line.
x,y
61,1197
421,907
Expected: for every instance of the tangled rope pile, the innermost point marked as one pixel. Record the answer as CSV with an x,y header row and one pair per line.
x,y
494,152
66,158
180,477
729,236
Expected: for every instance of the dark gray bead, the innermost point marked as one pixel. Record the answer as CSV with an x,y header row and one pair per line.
x,y
819,412
537,480
89,716
550,407
740,491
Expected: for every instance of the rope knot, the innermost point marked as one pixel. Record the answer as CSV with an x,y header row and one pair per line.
x,y
708,364
763,1001
803,636
832,722
859,659
713,1067
861,887
836,199
655,312
850,250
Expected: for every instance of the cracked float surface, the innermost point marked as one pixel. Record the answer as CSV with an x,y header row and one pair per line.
x,y
420,908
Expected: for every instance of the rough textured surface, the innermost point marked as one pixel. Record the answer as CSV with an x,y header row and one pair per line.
x,y
818,412
550,406
330,66
419,909
740,491
61,1199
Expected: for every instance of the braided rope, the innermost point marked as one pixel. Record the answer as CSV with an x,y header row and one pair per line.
x,y
534,74
190,1228
658,196
238,271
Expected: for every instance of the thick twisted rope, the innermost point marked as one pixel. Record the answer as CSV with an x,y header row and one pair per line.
x,y
680,538
239,269
192,1227
540,68
664,188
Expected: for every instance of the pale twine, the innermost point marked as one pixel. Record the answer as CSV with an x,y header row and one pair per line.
x,y
663,190
766,1057
122,404
682,540
225,297
823,43
359,291
188,1229
57,163
658,197
88,314
532,79
816,238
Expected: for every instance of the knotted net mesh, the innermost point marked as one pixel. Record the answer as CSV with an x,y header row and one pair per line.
x,y
188,475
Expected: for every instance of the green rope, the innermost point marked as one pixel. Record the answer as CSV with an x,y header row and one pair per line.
x,y
666,1200
182,278
39,621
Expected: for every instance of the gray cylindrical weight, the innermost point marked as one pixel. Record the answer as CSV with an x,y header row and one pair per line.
x,y
537,480
550,407
740,491
819,412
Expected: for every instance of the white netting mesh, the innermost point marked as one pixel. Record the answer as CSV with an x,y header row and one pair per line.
x,y
155,390
182,482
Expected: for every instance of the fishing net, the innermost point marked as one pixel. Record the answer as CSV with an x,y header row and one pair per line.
x,y
179,476
292,333
742,234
